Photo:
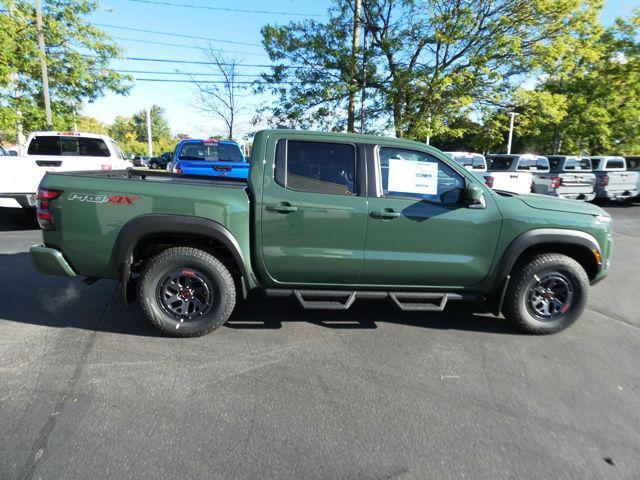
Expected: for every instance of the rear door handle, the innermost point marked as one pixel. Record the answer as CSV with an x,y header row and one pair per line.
x,y
282,208
387,213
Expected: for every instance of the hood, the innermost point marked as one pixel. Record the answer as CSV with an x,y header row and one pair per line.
x,y
545,202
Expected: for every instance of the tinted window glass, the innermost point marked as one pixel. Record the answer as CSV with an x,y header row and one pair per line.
x,y
533,164
407,173
3,152
633,163
582,164
615,164
472,162
229,153
499,163
44,146
84,147
554,163
316,167
594,163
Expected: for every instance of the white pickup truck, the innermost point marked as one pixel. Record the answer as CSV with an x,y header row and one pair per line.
x,y
509,173
54,152
569,177
613,181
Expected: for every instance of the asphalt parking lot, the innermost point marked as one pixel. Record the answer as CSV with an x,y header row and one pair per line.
x,y
89,390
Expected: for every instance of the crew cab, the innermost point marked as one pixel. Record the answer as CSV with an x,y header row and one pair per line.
x,y
329,219
513,173
613,181
569,177
210,158
54,152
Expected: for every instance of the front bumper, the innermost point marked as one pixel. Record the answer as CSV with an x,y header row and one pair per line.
x,y
50,261
18,200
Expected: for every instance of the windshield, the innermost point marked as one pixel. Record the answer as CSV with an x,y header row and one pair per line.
x,y
211,151
499,163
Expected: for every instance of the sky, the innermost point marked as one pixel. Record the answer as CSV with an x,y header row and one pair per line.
x,y
236,33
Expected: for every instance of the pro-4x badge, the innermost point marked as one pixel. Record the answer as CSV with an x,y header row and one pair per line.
x,y
114,199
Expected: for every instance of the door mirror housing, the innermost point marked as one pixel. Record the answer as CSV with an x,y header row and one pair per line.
x,y
474,196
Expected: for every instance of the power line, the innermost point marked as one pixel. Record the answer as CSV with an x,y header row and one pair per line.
x,y
198,74
182,35
200,62
174,80
181,45
226,9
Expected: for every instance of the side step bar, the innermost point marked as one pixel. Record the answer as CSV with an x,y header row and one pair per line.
x,y
342,300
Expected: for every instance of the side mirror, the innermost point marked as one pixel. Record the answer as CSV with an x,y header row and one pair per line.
x,y
474,197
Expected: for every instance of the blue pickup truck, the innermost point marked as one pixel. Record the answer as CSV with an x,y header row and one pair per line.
x,y
211,158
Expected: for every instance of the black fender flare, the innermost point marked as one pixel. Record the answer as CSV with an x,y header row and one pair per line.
x,y
528,239
161,224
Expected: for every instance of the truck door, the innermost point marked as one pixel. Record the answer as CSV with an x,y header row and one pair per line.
x,y
419,231
314,213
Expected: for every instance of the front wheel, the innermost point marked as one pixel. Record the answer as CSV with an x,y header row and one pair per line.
x,y
186,292
547,294
153,165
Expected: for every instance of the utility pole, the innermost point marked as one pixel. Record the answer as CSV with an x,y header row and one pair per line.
x,y
351,115
149,139
513,116
43,66
364,79
428,142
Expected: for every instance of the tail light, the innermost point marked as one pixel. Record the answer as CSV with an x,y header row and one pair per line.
x,y
604,180
556,182
44,214
489,181
177,170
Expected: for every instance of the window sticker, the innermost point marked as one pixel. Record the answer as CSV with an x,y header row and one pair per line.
x,y
407,176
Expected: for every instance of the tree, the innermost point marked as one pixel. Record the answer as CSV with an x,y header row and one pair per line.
x,y
131,132
220,99
425,59
78,57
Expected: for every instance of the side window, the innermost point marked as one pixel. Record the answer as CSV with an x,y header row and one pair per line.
x,y
417,175
44,146
317,167
615,164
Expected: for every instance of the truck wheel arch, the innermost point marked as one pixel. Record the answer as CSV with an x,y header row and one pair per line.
x,y
148,226
574,243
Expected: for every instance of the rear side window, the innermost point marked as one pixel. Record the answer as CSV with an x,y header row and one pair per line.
x,y
316,167
633,163
44,146
615,164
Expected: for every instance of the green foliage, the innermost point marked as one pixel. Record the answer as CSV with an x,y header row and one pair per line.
x,y
427,61
78,56
131,132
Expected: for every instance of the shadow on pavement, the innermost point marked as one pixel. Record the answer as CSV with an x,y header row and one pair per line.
x,y
13,219
31,298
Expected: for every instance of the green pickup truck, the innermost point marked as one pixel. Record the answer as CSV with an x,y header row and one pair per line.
x,y
328,218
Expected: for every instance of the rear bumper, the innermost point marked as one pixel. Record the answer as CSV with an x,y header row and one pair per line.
x,y
18,200
585,197
618,194
50,261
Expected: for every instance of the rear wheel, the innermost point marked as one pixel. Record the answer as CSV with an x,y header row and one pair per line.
x,y
153,165
547,294
186,292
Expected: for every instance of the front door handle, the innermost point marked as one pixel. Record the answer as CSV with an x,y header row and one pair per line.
x,y
387,213
282,208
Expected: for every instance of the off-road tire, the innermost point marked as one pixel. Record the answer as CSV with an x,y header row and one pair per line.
x,y
516,306
219,280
